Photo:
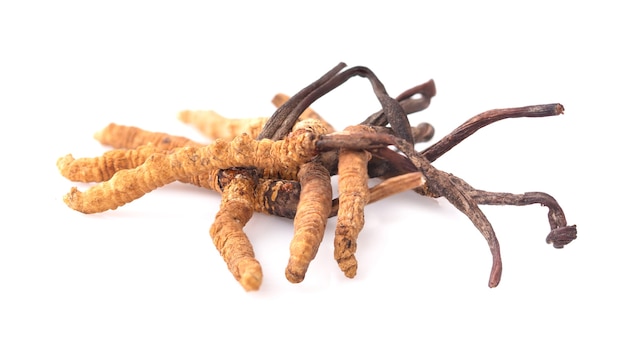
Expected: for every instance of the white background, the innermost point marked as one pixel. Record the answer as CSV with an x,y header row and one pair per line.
x,y
147,275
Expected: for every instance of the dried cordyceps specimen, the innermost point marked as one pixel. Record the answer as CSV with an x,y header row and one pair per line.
x,y
312,213
214,126
275,166
122,136
353,196
227,229
280,158
308,113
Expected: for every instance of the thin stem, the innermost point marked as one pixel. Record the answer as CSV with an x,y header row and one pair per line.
x,y
439,184
483,119
282,121
410,105
388,188
395,114
560,233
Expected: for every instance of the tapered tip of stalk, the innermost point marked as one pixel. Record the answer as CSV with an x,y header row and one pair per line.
x,y
98,135
496,275
348,266
251,279
496,270
74,200
64,162
68,198
279,99
184,116
560,109
430,90
423,132
561,236
297,267
294,275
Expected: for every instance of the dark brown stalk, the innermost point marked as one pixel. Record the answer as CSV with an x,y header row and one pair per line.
x,y
423,132
395,114
439,184
483,119
283,120
468,128
410,105
560,234
380,167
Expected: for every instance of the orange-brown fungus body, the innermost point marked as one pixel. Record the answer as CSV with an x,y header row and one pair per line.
x,y
396,184
102,168
353,196
276,159
310,220
122,136
214,126
236,209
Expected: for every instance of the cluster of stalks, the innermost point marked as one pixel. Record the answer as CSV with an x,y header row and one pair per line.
x,y
282,165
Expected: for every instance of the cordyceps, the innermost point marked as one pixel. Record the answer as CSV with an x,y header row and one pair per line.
x,y
282,165
353,196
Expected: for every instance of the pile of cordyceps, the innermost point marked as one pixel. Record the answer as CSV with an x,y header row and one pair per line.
x,y
282,165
